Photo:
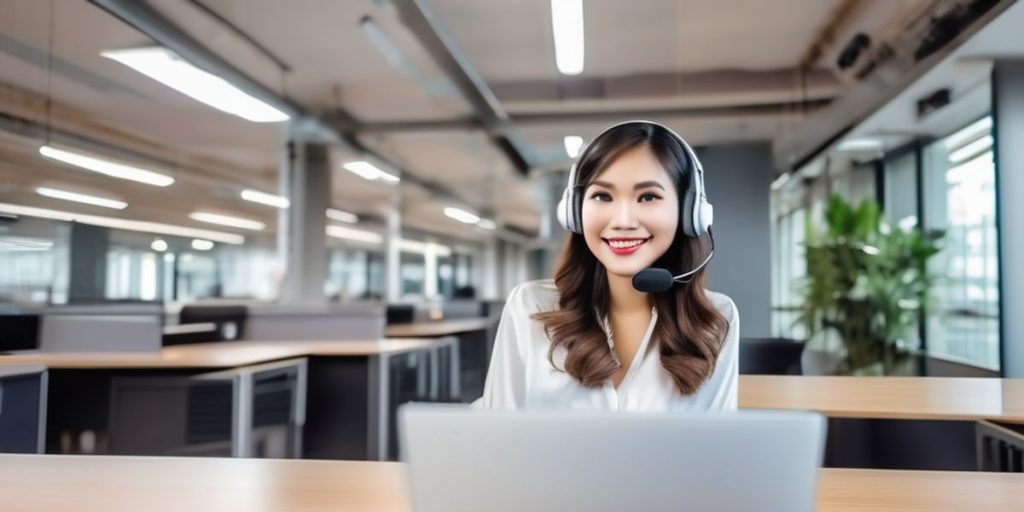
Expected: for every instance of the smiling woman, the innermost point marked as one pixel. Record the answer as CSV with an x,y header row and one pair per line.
x,y
634,201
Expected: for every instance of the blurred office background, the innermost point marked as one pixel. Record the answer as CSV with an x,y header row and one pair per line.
x,y
401,152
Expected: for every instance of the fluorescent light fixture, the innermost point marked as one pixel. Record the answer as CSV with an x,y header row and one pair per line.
x,y
969,132
487,224
342,216
573,143
81,198
102,166
860,145
264,198
567,25
971,149
368,171
125,224
168,68
418,247
158,245
202,245
225,220
461,215
354,234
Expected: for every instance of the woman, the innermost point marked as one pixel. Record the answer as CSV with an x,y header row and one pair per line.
x,y
589,339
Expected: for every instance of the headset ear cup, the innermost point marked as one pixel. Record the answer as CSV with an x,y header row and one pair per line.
x,y
561,211
707,216
687,213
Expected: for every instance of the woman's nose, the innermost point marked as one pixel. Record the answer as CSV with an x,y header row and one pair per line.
x,y
625,216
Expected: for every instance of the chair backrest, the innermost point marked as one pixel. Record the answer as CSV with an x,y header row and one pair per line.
x,y
770,356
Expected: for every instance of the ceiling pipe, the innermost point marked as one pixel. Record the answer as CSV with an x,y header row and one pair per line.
x,y
486,107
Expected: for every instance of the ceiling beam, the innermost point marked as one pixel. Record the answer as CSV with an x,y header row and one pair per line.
x,y
604,116
486,107
889,78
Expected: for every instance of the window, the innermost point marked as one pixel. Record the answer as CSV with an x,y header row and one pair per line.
x,y
960,195
791,268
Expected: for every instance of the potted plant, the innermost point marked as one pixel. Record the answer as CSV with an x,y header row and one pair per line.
x,y
867,282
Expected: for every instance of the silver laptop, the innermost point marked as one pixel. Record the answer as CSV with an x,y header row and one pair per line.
x,y
461,459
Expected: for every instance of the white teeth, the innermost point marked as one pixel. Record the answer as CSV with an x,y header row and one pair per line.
x,y
625,244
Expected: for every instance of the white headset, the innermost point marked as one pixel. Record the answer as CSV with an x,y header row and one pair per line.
x,y
696,213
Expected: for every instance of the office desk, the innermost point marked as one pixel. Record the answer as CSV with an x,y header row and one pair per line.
x,y
228,354
910,398
476,341
441,328
354,387
110,484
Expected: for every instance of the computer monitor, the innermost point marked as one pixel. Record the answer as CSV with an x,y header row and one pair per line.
x,y
19,332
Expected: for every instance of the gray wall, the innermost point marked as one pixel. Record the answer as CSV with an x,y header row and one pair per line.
x,y
738,180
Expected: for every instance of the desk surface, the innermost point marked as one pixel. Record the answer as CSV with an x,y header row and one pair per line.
x,y
442,328
926,398
111,484
219,355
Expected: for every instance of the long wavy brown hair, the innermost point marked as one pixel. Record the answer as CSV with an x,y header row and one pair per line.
x,y
690,330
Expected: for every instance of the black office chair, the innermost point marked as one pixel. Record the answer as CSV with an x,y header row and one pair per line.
x,y
770,356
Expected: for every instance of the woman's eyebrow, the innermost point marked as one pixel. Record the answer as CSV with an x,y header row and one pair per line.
x,y
638,186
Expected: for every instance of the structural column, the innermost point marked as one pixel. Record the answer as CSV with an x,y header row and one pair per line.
x,y
1008,113
393,247
301,240
87,257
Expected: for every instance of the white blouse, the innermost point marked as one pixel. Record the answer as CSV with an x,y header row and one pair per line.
x,y
520,375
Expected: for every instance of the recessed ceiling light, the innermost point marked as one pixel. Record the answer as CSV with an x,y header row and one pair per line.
x,y
567,26
202,245
126,224
93,163
461,215
168,68
158,245
342,216
225,220
256,196
368,171
354,234
81,198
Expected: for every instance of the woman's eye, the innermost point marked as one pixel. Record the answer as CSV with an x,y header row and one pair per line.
x,y
648,197
601,196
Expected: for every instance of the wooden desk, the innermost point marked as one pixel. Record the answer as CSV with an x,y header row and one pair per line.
x,y
916,398
110,484
354,387
229,354
442,328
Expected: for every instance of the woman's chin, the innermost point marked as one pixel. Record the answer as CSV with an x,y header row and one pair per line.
x,y
625,271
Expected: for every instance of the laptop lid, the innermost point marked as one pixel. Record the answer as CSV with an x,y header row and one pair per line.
x,y
461,459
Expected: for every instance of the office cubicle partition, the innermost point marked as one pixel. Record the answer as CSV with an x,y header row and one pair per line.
x,y
23,409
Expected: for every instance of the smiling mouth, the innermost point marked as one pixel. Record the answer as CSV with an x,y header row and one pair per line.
x,y
625,245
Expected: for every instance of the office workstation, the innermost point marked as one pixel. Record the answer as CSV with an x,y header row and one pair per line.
x,y
440,255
